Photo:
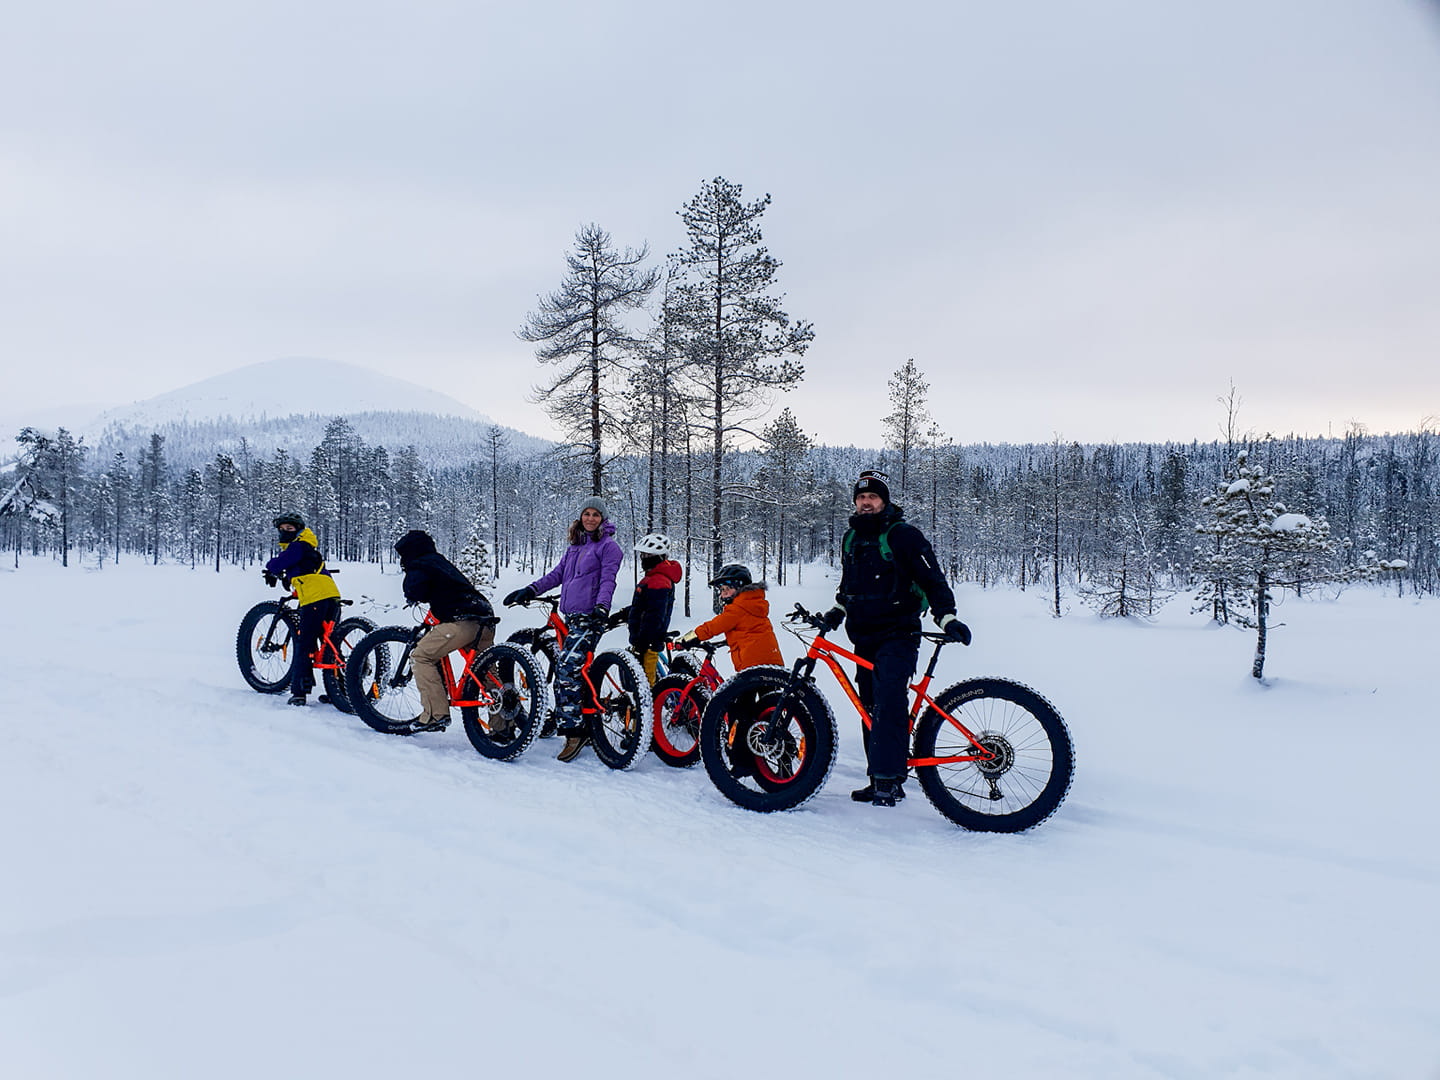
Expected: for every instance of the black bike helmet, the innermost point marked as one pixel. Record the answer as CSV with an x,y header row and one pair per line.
x,y
734,573
290,519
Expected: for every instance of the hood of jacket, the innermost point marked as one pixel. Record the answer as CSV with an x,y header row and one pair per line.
x,y
413,544
665,576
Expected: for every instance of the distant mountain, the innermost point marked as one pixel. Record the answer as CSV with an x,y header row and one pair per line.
x,y
281,388
282,404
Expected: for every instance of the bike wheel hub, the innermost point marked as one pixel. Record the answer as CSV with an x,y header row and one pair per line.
x,y
1002,754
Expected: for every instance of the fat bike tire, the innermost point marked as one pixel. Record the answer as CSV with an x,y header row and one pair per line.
x,y
760,774
507,674
676,730
346,636
1032,767
541,644
265,649
683,663
620,728
378,685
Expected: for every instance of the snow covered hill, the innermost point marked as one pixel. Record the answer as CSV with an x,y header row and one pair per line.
x,y
287,404
280,388
203,882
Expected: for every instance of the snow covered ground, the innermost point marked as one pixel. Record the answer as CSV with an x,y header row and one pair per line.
x,y
202,882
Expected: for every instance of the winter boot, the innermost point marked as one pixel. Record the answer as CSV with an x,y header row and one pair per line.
x,y
576,740
547,729
296,699
886,791
428,723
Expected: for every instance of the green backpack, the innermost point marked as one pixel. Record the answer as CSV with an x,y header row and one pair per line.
x,y
888,555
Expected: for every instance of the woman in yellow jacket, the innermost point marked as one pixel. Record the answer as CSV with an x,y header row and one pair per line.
x,y
745,620
301,567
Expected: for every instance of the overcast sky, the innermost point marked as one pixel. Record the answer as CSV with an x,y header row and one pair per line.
x,y
1080,219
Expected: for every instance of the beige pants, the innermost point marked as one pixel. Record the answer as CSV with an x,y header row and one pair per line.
x,y
439,642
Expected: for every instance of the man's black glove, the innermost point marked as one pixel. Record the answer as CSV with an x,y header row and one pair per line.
x,y
623,615
520,596
955,629
688,640
601,614
270,579
832,619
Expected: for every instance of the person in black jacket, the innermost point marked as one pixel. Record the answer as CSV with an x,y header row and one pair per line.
x,y
466,618
648,613
889,575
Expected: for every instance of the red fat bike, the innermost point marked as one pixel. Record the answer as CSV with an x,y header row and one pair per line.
x,y
680,701
265,649
991,755
500,692
616,703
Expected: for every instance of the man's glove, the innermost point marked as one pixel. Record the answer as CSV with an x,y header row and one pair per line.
x,y
832,619
520,596
270,579
955,629
688,640
601,614
623,615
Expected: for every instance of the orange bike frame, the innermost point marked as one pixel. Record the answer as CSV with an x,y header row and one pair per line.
x,y
467,656
826,651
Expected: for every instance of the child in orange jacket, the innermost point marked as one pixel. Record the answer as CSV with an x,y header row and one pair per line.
x,y
745,621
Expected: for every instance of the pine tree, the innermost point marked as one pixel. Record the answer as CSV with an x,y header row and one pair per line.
x,y
475,561
907,420
1262,546
578,327
737,338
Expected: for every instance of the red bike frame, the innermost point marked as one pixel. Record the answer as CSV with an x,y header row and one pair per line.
x,y
467,657
826,651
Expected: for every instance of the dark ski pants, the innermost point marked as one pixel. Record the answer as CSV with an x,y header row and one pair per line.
x,y
313,618
883,693
569,679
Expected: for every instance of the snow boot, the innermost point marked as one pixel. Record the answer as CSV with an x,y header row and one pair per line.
x,y
576,740
428,723
296,699
885,791
547,729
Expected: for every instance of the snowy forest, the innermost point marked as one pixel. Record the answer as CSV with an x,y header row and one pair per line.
x,y
675,424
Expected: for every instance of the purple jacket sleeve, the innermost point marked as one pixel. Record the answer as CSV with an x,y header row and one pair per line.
x,y
611,557
288,558
554,577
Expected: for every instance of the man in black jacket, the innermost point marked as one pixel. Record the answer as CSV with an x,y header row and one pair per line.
x,y
465,616
889,575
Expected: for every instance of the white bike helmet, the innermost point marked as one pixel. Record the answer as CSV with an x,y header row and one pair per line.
x,y
653,544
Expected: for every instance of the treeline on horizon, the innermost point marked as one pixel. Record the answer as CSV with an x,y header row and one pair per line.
x,y
1058,514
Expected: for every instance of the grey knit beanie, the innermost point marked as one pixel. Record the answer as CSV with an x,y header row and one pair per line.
x,y
595,502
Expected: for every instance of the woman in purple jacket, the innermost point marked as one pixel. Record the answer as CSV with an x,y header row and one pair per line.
x,y
586,575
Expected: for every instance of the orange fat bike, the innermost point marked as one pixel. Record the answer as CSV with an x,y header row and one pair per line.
x,y
501,693
991,755
265,649
616,704
680,700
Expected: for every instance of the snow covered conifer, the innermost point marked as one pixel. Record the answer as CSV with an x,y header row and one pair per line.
x,y
475,561
1260,545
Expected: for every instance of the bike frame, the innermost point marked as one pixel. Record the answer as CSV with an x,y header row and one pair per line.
x,y
822,650
452,689
317,658
708,676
